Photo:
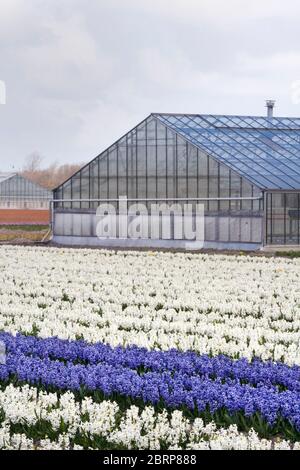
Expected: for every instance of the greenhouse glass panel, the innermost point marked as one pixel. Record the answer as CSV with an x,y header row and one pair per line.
x,y
242,144
283,218
154,161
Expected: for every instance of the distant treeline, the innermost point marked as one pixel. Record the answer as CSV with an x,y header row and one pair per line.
x,y
49,177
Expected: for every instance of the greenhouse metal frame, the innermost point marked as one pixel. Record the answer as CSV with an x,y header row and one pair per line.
x,y
245,170
18,192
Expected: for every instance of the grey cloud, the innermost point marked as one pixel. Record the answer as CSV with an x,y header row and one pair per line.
x,y
81,73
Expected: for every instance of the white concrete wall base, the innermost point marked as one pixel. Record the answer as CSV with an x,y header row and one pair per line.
x,y
148,243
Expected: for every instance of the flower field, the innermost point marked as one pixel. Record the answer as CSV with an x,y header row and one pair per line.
x,y
142,350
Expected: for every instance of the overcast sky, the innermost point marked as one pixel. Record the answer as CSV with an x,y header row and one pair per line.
x,y
80,73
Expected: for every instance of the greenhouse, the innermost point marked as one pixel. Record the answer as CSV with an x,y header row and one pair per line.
x,y
17,192
244,171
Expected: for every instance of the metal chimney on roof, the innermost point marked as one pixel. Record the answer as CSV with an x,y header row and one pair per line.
x,y
270,105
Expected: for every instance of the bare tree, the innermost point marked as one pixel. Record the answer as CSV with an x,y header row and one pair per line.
x,y
33,163
48,177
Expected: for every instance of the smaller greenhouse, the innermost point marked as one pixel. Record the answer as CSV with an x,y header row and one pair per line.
x,y
245,171
17,192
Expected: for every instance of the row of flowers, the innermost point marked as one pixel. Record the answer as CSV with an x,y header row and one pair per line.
x,y
142,360
239,306
33,419
198,393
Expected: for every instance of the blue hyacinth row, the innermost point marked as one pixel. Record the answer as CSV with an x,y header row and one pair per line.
x,y
171,378
256,372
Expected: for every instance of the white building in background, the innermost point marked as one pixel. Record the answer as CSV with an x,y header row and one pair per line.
x,y
17,192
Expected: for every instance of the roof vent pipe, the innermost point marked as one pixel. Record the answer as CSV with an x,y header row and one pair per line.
x,y
270,105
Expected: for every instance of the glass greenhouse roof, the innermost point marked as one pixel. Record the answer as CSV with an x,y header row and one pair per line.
x,y
13,184
265,151
6,176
